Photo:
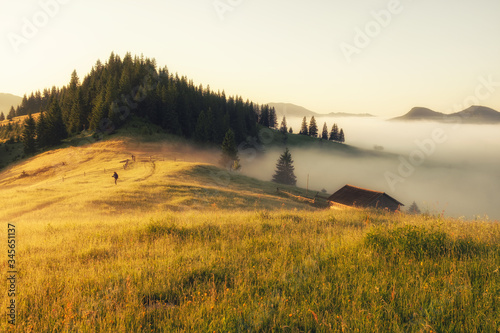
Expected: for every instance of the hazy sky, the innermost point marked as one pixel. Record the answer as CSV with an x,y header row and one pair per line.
x,y
377,56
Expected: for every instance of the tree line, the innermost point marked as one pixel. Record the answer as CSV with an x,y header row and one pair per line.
x,y
133,86
335,134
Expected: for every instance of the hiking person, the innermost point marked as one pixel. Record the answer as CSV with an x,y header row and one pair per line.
x,y
115,176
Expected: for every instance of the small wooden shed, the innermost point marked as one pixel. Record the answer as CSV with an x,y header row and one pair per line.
x,y
359,197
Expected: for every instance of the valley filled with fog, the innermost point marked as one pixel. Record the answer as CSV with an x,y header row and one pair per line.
x,y
445,168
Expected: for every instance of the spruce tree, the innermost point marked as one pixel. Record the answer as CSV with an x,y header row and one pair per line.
x,y
273,122
201,130
334,134
313,127
413,209
28,135
290,130
76,120
285,170
264,116
324,134
283,127
229,158
42,135
12,113
303,128
341,136
2,116
55,125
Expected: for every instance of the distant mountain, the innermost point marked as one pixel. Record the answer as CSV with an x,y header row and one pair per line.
x,y
343,114
472,115
8,100
288,109
478,114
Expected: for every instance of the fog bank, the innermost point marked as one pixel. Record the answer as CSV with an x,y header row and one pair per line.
x,y
446,168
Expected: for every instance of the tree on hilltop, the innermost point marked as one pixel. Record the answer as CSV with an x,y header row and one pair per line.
x,y
324,134
303,128
283,127
12,113
55,124
334,134
273,122
341,136
28,135
313,128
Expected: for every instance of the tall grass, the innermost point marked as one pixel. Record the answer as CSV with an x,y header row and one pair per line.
x,y
171,249
236,271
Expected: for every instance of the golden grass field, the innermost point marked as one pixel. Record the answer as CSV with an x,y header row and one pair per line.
x,y
179,245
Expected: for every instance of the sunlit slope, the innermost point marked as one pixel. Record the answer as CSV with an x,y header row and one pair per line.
x,y
76,182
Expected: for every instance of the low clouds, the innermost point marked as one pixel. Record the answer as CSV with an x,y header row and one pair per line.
x,y
450,168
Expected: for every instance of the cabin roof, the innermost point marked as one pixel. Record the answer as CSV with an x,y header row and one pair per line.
x,y
353,195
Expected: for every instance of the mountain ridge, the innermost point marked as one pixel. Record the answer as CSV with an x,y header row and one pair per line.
x,y
474,114
7,100
289,109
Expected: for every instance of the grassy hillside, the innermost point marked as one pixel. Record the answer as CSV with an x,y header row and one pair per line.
x,y
179,245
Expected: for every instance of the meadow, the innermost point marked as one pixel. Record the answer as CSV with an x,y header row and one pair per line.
x,y
182,246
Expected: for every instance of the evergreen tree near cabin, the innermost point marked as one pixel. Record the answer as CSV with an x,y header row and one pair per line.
x,y
303,128
324,134
413,209
229,158
313,128
28,136
285,170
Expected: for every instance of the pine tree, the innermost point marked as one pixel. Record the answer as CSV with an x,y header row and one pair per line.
x,y
97,113
303,128
341,136
324,134
2,116
313,127
42,136
283,127
12,113
55,125
201,130
273,122
264,116
28,135
285,170
209,126
290,130
76,120
229,158
413,209
334,134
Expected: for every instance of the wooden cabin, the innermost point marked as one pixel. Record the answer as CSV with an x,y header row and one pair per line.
x,y
353,196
